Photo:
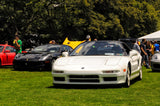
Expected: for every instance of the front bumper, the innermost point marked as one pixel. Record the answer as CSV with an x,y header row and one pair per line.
x,y
89,79
18,64
155,65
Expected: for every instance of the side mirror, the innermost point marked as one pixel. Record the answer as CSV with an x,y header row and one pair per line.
x,y
65,54
63,51
7,51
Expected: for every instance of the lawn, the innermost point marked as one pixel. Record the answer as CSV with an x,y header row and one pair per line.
x,y
19,88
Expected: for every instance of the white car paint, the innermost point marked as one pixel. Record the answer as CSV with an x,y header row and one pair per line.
x,y
81,69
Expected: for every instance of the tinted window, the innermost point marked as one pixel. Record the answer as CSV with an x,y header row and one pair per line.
x,y
1,48
10,48
53,49
127,49
47,48
66,48
99,48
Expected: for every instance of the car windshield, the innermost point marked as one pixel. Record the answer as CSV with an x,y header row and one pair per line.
x,y
1,48
47,48
106,48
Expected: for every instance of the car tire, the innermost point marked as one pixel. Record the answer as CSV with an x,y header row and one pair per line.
x,y
15,68
140,74
128,80
153,70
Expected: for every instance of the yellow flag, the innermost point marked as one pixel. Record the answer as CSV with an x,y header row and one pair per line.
x,y
73,44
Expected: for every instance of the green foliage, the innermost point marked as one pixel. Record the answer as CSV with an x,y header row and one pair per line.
x,y
57,19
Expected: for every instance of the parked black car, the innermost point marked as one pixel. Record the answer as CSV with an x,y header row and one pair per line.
x,y
40,58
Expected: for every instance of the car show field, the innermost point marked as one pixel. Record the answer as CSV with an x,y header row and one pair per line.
x,y
35,88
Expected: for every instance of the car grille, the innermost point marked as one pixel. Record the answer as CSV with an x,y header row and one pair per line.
x,y
59,78
84,78
110,78
156,65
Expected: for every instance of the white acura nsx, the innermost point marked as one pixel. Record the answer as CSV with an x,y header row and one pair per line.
x,y
98,63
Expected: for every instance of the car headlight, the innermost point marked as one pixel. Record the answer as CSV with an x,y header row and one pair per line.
x,y
111,71
17,56
44,58
155,57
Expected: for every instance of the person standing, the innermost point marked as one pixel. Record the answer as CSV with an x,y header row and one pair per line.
x,y
144,53
156,45
18,44
149,49
152,48
52,42
95,39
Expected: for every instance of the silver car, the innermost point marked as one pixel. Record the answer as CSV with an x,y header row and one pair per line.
x,y
155,62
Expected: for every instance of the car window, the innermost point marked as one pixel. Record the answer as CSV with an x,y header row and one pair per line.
x,y
10,48
1,48
99,48
66,48
127,49
53,49
47,48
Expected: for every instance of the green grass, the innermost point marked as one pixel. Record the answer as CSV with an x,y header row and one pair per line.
x,y
19,88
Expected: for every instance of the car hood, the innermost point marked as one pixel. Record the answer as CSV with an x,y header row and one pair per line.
x,y
89,60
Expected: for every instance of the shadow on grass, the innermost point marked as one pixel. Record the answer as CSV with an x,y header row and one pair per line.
x,y
91,86
31,70
7,67
155,71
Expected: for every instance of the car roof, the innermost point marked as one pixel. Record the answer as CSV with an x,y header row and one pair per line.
x,y
5,45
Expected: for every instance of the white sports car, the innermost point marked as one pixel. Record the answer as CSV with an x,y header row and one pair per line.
x,y
100,62
155,62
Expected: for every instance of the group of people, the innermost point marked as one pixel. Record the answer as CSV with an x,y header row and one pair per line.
x,y
147,50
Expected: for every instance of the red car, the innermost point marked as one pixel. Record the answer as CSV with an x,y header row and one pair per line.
x,y
7,54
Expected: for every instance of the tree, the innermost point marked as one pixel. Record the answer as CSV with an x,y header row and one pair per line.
x,y
57,19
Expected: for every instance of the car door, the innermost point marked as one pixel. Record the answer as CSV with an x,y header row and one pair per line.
x,y
134,59
133,56
10,56
3,56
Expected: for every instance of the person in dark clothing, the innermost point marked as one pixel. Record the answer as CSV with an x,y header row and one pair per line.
x,y
144,53
149,49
